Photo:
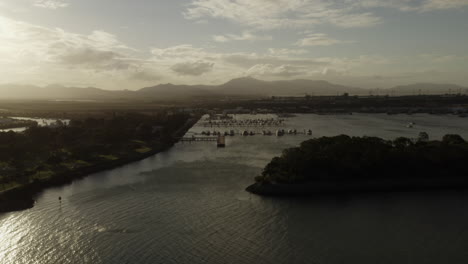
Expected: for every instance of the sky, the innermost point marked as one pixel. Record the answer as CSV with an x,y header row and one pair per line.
x,y
130,44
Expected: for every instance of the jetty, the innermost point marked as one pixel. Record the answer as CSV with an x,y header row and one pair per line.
x,y
193,138
220,140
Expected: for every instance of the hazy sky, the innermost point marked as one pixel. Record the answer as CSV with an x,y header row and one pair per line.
x,y
128,44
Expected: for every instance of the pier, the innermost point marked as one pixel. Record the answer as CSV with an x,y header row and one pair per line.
x,y
220,140
193,138
270,122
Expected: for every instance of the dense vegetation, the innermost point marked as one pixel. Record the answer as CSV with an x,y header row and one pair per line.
x,y
343,158
41,153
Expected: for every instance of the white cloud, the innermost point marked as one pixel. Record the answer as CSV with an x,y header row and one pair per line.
x,y
413,5
24,41
51,4
282,71
246,35
221,38
443,4
287,52
42,55
271,14
317,39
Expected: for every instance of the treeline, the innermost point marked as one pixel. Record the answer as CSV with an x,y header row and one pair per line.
x,y
41,152
344,158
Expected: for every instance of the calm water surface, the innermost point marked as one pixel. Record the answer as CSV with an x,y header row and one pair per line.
x,y
188,205
40,122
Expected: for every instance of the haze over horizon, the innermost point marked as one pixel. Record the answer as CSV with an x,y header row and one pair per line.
x,y
132,44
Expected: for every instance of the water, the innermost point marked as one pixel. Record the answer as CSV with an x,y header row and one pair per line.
x,y
188,205
40,122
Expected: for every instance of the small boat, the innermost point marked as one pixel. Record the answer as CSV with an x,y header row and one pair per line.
x,y
221,142
279,133
252,133
245,133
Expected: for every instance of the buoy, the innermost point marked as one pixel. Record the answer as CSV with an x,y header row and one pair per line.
x,y
60,198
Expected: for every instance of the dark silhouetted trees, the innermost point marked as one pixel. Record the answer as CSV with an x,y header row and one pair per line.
x,y
347,158
38,151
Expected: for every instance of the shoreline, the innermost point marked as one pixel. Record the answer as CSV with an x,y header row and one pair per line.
x,y
23,197
357,186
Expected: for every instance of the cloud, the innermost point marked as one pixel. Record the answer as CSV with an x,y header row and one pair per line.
x,y
43,55
247,60
246,35
51,4
184,50
192,68
413,5
274,14
269,70
24,41
94,59
271,14
443,4
317,39
145,75
221,38
274,63
287,52
32,44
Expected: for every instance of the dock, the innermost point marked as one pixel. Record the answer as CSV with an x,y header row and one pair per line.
x,y
220,140
192,139
220,137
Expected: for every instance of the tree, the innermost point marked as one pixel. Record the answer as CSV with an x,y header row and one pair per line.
x,y
453,139
423,137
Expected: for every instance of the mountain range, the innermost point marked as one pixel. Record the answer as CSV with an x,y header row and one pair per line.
x,y
240,87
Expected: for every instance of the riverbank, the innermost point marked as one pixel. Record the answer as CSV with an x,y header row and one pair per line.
x,y
357,186
11,123
23,197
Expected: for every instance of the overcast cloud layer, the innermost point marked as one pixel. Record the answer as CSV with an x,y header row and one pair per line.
x,y
123,44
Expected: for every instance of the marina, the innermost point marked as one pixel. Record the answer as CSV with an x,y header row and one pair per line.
x,y
233,121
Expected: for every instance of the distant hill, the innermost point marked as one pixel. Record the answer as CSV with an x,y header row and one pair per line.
x,y
53,92
240,87
172,91
252,86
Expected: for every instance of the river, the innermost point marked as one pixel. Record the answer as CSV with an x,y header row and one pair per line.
x,y
188,205
40,122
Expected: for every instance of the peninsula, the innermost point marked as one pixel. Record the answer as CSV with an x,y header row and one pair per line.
x,y
365,164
